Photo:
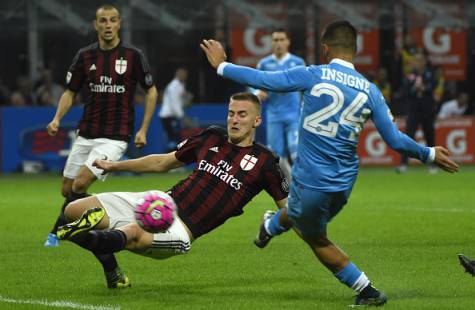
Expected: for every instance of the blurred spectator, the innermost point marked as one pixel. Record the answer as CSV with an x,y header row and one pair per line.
x,y
409,49
381,80
439,90
48,92
420,86
23,95
454,107
17,100
175,99
4,93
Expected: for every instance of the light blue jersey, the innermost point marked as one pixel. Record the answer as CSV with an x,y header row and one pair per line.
x,y
281,106
337,102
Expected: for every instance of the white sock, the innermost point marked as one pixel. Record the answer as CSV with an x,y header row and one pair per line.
x,y
360,283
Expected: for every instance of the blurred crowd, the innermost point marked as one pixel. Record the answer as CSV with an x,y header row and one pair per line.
x,y
411,80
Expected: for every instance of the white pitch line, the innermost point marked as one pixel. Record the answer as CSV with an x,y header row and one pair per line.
x,y
56,303
442,210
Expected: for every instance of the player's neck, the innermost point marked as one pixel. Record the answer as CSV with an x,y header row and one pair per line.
x,y
243,143
105,46
280,56
344,57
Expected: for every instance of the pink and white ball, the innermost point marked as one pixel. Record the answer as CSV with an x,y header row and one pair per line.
x,y
155,212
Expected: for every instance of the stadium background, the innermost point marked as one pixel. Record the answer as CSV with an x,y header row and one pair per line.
x,y
404,231
40,34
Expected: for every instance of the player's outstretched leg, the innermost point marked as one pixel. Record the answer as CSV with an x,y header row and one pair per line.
x,y
467,264
88,220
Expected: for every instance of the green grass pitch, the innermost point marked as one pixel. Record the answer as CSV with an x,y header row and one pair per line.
x,y
403,231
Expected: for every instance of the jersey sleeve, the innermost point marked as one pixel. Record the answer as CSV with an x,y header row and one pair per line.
x,y
295,79
187,150
275,183
142,71
397,140
76,74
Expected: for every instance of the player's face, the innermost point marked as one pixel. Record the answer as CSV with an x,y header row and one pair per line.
x,y
280,43
107,25
243,118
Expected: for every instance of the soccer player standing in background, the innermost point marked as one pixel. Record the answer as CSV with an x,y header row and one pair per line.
x,y
111,69
283,109
337,102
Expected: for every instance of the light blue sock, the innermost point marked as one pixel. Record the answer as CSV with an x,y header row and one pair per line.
x,y
272,225
352,277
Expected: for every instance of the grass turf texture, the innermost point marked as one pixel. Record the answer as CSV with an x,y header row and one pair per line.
x,y
404,231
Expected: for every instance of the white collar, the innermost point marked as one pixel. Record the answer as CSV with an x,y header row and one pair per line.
x,y
343,63
282,60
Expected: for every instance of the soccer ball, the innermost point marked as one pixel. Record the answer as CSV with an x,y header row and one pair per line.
x,y
155,212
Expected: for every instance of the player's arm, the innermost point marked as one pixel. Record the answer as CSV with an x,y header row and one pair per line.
x,y
261,94
65,103
294,79
401,143
150,103
150,163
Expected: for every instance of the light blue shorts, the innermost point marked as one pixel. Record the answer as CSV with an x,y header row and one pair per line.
x,y
282,138
311,210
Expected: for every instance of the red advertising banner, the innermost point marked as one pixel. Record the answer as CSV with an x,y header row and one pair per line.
x,y
440,27
250,41
367,56
457,135
447,49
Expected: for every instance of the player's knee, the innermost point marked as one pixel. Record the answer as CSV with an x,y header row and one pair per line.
x,y
137,238
81,184
66,188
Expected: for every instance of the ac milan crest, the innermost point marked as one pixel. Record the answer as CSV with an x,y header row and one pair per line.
x,y
248,162
120,66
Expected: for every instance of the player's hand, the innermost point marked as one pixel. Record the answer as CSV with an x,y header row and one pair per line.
x,y
262,95
442,160
103,164
140,139
52,127
214,52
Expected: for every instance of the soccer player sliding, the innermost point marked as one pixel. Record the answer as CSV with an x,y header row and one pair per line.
x,y
230,170
337,102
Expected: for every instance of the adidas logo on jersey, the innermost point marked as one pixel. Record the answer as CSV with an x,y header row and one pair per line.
x,y
92,67
214,149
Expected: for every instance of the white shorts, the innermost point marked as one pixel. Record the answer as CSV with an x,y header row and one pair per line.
x,y
120,208
85,151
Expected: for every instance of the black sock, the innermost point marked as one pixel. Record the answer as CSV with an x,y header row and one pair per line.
x,y
104,242
61,220
108,261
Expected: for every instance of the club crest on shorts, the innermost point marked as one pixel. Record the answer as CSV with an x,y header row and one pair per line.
x,y
248,162
120,65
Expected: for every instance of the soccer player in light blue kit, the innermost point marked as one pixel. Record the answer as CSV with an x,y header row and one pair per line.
x,y
283,108
337,102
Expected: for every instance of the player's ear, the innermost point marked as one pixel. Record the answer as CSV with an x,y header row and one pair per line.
x,y
257,121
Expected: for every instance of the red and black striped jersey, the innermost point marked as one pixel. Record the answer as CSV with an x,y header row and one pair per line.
x,y
111,77
225,179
